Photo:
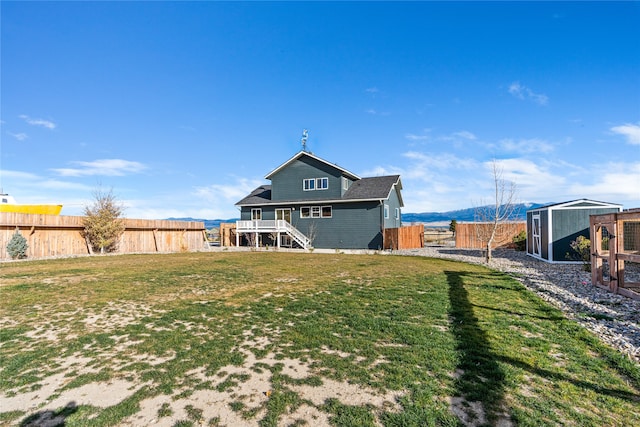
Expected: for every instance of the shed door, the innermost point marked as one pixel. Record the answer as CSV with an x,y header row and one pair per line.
x,y
535,235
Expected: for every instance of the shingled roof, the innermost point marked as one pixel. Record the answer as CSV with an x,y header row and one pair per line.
x,y
259,196
372,188
376,188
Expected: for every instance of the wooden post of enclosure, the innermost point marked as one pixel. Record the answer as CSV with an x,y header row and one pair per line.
x,y
622,243
57,235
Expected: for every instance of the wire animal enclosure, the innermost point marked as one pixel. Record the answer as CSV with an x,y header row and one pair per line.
x,y
615,252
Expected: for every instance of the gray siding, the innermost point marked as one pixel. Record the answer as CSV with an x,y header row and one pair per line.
x,y
287,183
352,225
567,225
349,182
393,202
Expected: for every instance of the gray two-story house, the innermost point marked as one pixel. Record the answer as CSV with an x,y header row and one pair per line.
x,y
315,203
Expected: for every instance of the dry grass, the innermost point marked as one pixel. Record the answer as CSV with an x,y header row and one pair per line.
x,y
295,339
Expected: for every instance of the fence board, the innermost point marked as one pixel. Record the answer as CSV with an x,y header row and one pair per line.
x,y
55,235
409,237
469,235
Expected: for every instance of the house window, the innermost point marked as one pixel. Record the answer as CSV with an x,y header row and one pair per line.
x,y
397,213
322,183
310,184
316,212
386,211
345,184
256,214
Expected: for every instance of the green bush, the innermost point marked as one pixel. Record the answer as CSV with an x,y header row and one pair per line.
x,y
17,246
582,252
520,241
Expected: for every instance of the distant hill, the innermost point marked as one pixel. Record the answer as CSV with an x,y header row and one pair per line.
x,y
407,218
463,214
208,223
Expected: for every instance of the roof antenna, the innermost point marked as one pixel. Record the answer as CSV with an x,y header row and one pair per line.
x,y
303,140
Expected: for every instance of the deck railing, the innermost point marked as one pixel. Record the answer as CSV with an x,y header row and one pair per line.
x,y
273,226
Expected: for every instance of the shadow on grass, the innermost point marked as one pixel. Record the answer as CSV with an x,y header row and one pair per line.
x,y
556,376
50,418
519,314
479,376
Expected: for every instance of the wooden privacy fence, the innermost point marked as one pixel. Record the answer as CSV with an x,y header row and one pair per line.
x,y
474,235
409,237
615,238
227,234
53,235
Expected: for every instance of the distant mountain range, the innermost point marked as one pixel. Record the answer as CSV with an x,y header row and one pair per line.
x,y
465,214
407,218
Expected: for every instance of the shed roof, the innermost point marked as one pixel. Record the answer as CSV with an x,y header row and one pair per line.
x,y
577,204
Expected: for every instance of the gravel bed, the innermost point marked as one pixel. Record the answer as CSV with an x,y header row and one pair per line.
x,y
615,319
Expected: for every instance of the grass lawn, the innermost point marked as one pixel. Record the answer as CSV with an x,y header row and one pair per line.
x,y
292,339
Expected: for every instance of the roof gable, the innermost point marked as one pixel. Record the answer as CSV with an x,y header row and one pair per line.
x,y
305,153
578,204
378,187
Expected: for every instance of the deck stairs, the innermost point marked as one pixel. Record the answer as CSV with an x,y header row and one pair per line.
x,y
274,226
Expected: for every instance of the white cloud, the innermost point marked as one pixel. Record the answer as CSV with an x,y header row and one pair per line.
x,y
18,175
374,112
414,137
19,136
38,122
616,181
459,136
630,131
526,173
229,193
104,167
372,90
439,161
465,135
220,199
522,92
527,146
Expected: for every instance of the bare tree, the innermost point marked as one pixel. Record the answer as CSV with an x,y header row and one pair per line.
x,y
102,222
497,216
312,232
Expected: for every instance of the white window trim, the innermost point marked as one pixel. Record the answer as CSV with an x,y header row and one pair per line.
x,y
313,184
320,183
397,213
253,216
345,184
309,184
386,211
315,211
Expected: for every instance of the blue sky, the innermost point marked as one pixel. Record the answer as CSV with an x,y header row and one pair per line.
x,y
182,108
